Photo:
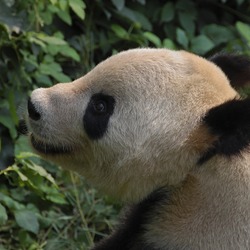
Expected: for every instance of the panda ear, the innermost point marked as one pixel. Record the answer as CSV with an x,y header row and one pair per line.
x,y
230,124
235,67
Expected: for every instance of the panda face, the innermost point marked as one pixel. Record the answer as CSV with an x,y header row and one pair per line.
x,y
130,125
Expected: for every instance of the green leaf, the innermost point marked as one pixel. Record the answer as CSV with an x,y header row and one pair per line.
x,y
25,239
2,247
128,13
25,155
182,38
167,13
51,40
49,68
10,203
43,80
53,1
143,21
53,69
70,52
3,215
60,77
30,61
53,8
36,41
27,220
54,49
119,31
168,43
21,145
22,177
119,4
56,197
48,59
152,38
244,30
42,172
65,16
47,17
59,35
218,34
78,7
201,44
187,22
63,5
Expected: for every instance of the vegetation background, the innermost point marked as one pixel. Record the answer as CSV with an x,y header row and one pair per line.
x,y
43,42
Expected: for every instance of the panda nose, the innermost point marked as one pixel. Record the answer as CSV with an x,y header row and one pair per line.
x,y
33,113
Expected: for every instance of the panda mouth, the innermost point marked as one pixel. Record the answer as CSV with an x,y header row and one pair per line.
x,y
40,145
47,148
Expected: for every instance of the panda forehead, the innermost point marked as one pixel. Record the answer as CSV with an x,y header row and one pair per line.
x,y
132,61
138,68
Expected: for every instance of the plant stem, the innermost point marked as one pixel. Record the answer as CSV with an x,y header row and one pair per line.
x,y
78,203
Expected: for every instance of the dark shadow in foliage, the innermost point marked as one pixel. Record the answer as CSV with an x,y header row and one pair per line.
x,y
7,155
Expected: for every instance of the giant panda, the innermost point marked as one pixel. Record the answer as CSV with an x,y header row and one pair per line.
x,y
165,133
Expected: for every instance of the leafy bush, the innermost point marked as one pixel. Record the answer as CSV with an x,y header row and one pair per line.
x,y
48,41
34,214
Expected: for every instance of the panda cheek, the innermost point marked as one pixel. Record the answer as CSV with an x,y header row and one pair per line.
x,y
95,121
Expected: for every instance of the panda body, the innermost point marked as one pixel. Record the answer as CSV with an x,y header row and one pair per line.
x,y
164,132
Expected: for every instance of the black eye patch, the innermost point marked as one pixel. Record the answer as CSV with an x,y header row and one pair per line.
x,y
97,114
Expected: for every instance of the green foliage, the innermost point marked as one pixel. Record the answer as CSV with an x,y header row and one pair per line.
x,y
244,30
43,42
37,213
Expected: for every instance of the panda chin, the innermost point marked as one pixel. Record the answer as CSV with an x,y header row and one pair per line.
x,y
46,148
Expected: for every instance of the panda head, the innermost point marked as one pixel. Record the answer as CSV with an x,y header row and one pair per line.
x,y
140,120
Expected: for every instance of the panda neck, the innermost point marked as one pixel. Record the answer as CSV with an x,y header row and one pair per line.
x,y
215,192
221,187
210,207
227,176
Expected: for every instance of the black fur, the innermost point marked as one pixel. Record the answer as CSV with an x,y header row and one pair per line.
x,y
235,67
229,121
129,235
32,110
96,120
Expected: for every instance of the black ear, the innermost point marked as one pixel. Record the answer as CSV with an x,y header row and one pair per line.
x,y
230,123
235,67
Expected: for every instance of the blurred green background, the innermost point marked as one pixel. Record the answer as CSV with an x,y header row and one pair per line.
x,y
43,42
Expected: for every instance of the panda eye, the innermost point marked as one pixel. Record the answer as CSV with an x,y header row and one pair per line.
x,y
96,117
100,106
